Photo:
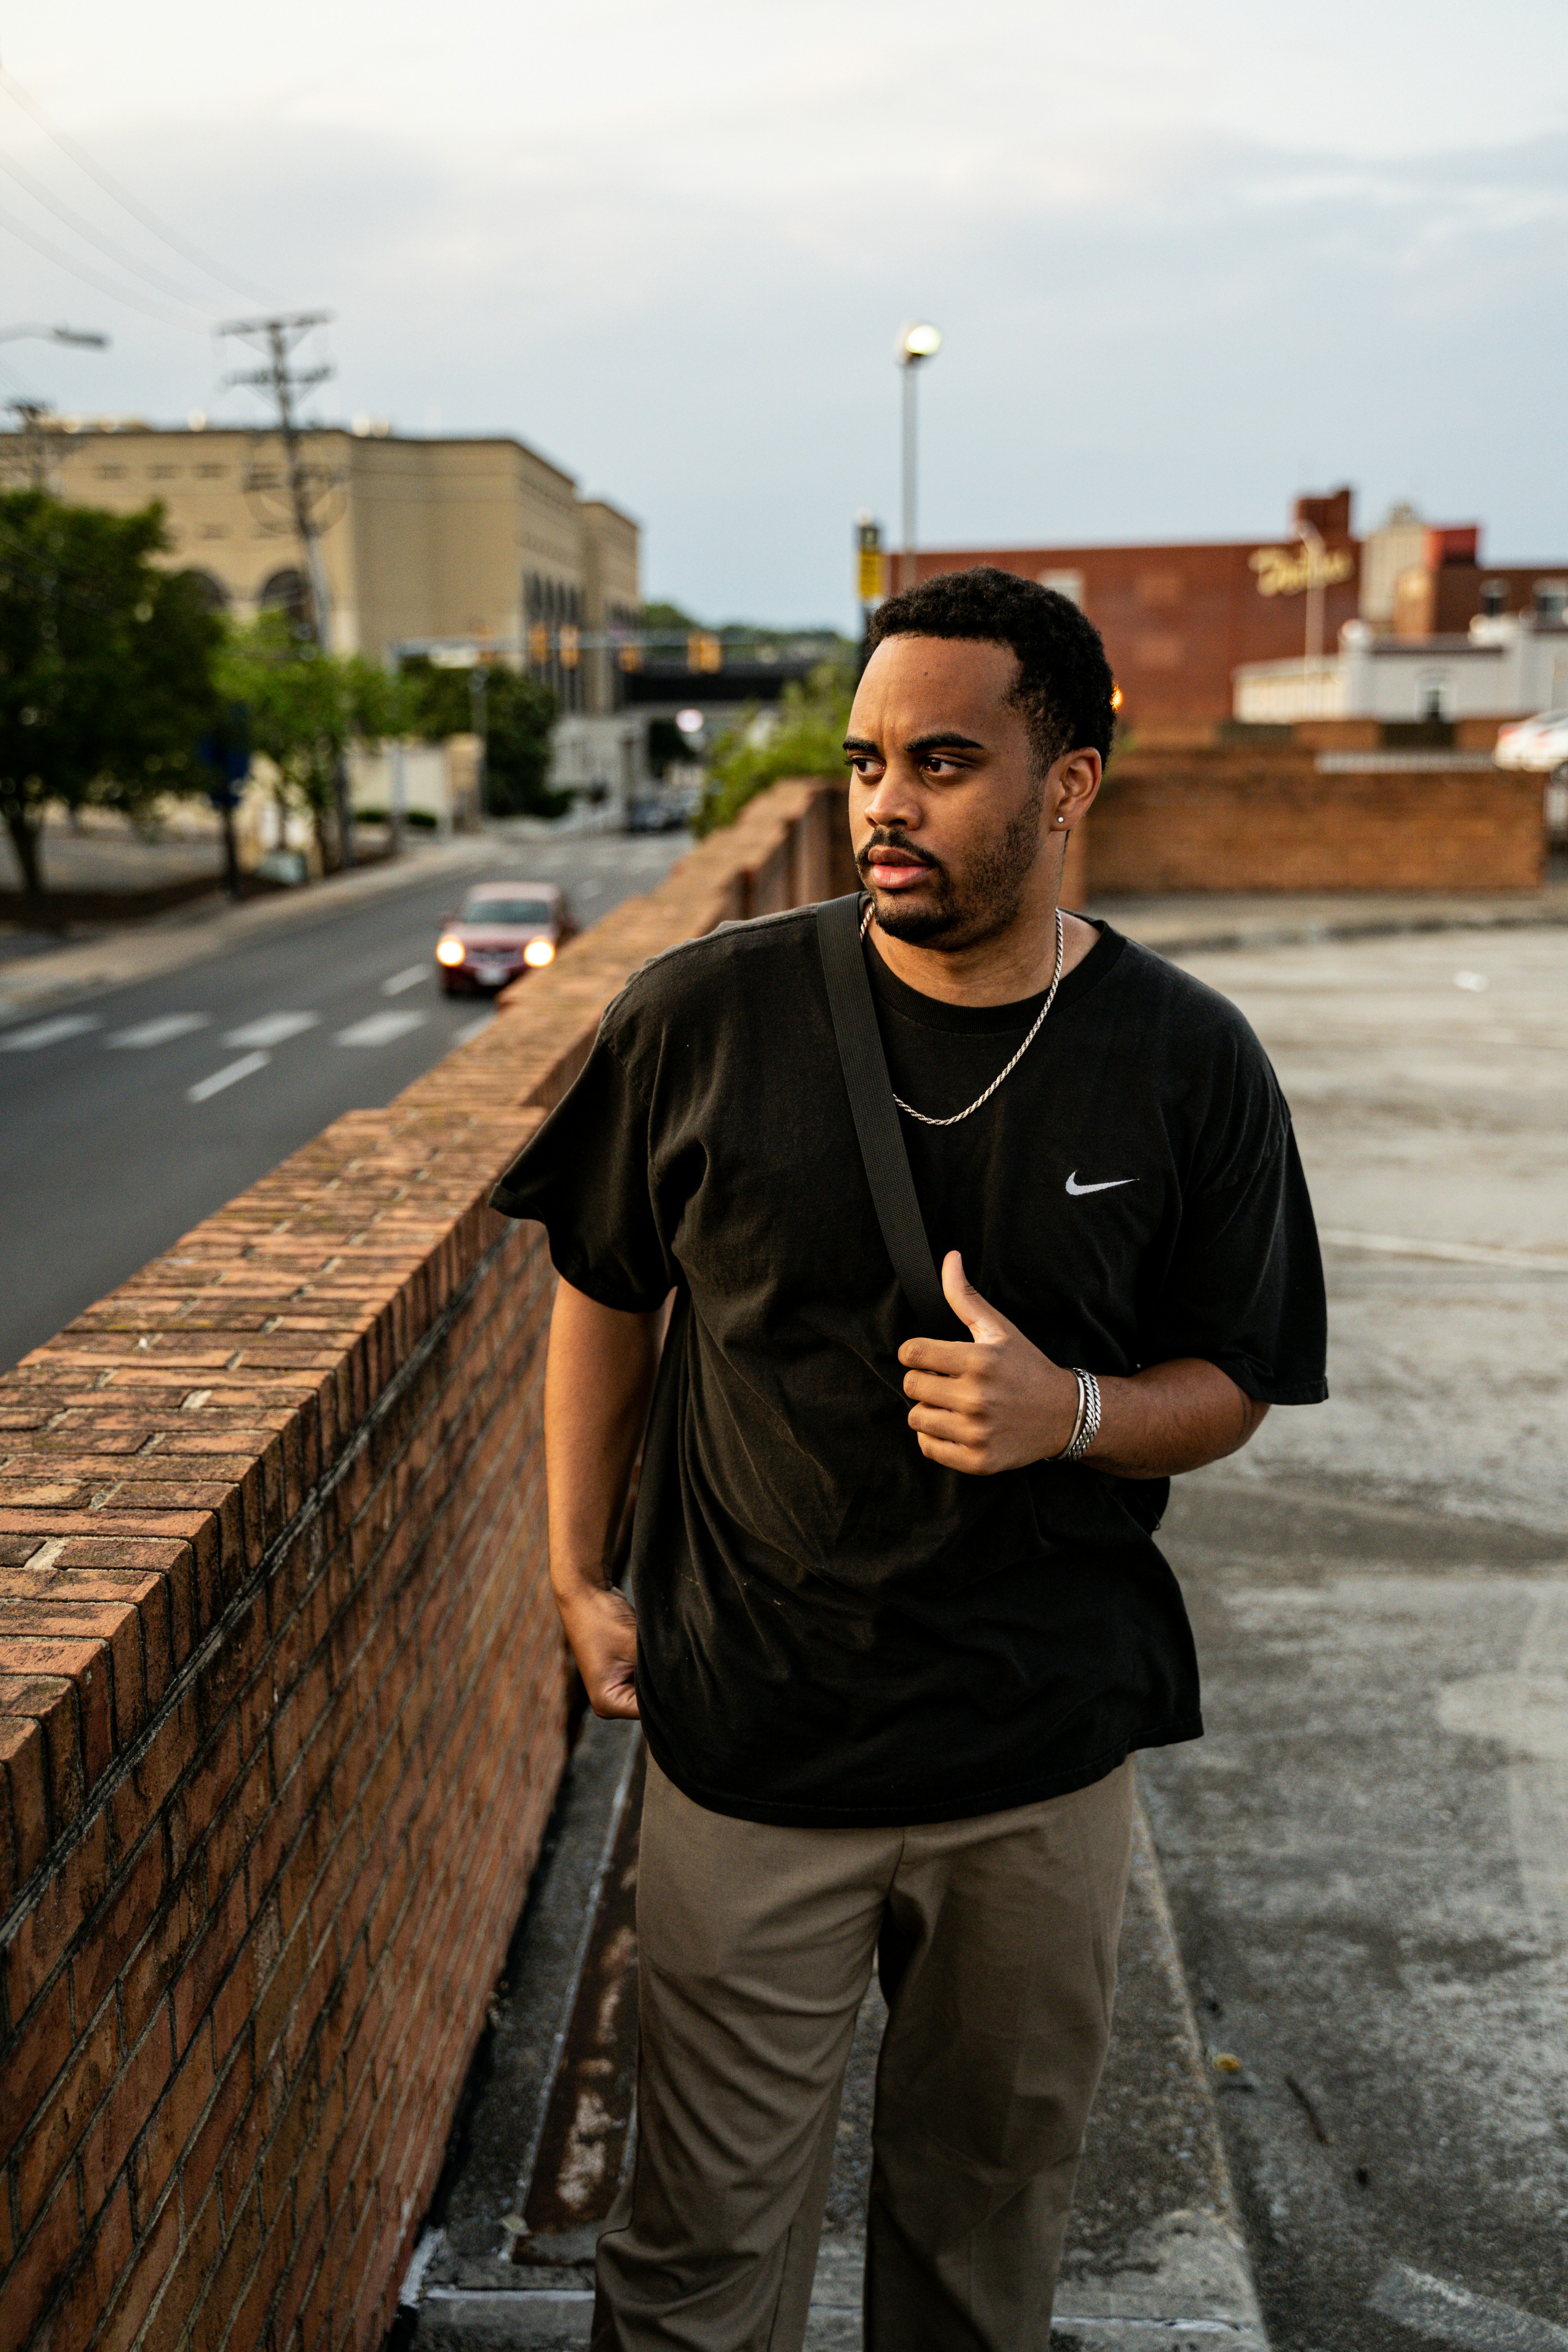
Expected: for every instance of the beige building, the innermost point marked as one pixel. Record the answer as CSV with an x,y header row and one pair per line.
x,y
421,541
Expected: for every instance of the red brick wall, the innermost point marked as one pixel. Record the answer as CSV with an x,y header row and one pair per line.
x,y
1267,820
1176,620
282,1694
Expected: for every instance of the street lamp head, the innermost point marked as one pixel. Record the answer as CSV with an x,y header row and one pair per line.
x,y
917,342
81,339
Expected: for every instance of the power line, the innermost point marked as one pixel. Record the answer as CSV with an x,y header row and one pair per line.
x,y
117,252
121,195
90,276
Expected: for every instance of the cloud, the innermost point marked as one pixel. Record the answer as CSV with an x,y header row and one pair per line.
x,y
1175,269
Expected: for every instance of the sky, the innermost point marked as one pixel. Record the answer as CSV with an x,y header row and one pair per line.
x,y
1186,261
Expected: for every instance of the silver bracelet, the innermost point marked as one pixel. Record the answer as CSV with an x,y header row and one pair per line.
x,y
1085,1428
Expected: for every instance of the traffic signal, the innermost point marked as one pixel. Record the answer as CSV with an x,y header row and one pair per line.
x,y
871,564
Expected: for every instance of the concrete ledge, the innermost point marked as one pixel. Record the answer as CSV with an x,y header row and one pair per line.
x,y
1156,2260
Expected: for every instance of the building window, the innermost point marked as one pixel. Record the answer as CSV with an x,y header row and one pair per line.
x,y
214,594
284,591
1494,598
1065,583
1551,600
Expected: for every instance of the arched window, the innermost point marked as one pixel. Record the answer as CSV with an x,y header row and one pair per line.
x,y
284,591
214,596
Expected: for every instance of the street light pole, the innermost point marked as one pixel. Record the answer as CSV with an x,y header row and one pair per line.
x,y
918,343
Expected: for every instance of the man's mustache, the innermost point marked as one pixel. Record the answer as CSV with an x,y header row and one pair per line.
x,y
882,839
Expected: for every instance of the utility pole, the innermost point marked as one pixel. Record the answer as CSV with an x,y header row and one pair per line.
x,y
278,339
31,445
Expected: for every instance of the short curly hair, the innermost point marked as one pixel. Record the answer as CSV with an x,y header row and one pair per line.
x,y
1065,684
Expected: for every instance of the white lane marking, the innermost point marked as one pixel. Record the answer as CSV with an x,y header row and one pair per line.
x,y
380,1029
402,979
472,1029
160,1032
229,1075
1452,2314
46,1033
1462,1253
272,1029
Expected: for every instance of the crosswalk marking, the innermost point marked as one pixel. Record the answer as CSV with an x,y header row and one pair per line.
x,y
161,1031
380,1029
272,1029
402,979
227,1077
46,1033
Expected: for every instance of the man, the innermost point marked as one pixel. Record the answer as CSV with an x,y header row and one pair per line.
x,y
891,1650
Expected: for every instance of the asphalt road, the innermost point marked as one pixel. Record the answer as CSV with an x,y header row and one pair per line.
x,y
1368,1854
127,1116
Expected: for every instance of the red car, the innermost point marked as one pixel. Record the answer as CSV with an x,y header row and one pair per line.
x,y
501,930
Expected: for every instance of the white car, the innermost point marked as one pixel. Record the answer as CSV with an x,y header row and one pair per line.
x,y
1540,743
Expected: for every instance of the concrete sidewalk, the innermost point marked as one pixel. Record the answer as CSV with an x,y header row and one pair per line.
x,y
1199,923
1155,2260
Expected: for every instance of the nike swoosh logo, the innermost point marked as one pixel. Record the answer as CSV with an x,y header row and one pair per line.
x,y
1112,1184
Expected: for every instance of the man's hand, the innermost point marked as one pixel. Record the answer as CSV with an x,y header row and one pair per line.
x,y
598,1377
991,1402
602,1628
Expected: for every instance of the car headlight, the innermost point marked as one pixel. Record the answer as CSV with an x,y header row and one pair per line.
x,y
539,952
450,952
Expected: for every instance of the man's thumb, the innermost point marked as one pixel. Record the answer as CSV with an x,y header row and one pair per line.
x,y
966,1302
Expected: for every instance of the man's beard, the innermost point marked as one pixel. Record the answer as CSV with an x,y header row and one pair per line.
x,y
961,912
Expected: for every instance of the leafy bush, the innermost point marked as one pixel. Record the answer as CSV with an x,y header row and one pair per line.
x,y
807,740
518,712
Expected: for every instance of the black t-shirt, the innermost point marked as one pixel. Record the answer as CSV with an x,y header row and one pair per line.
x,y
832,1629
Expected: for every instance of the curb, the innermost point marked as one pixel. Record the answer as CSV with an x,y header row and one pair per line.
x,y
1177,929
1156,2261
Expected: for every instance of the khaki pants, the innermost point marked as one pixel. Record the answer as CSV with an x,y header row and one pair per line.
x,y
996,1940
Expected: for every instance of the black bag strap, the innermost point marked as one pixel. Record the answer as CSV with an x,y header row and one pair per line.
x,y
870,1093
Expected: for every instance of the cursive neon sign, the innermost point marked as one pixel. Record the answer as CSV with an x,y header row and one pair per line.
x,y
1290,570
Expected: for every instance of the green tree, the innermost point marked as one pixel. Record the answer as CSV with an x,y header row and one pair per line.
x,y
519,713
807,740
304,708
666,619
106,666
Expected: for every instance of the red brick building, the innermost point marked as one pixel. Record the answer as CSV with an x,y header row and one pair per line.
x,y
1177,618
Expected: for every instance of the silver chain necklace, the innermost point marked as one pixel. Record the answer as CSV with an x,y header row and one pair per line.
x,y
958,1116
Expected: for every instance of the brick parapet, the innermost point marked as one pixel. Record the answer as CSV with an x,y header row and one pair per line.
x,y
1267,818
282,1699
